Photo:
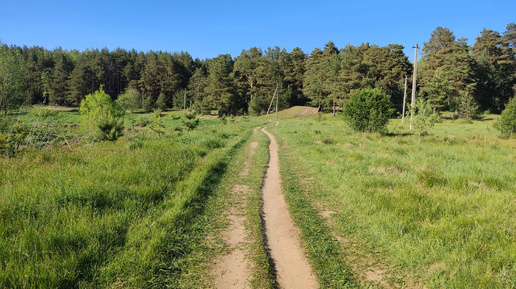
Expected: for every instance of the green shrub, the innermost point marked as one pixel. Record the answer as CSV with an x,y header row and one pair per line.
x,y
425,118
161,102
468,108
147,104
143,121
130,100
41,112
14,140
190,120
102,118
156,123
367,110
429,176
507,123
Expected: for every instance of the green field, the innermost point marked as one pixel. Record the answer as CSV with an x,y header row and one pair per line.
x,y
437,213
111,214
144,211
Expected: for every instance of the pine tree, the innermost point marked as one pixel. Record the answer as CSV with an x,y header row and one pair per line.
x,y
59,80
221,90
246,71
314,78
494,66
12,79
451,57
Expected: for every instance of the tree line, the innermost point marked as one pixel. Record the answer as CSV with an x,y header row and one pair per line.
x,y
454,76
451,75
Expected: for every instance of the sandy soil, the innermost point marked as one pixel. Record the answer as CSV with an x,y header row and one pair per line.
x,y
233,270
292,267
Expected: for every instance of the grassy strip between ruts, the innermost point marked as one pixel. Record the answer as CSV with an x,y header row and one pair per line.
x,y
322,249
263,275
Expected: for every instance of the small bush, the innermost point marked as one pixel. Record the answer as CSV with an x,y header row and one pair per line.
x,y
320,117
190,120
143,121
425,118
468,108
174,116
42,113
147,104
507,122
130,100
137,142
161,102
368,111
156,124
101,117
213,143
13,141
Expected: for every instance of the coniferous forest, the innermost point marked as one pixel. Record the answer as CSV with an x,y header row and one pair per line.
x,y
452,75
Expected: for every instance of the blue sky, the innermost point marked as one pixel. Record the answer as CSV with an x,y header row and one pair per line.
x,y
208,28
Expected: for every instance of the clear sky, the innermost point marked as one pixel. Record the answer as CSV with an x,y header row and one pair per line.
x,y
206,29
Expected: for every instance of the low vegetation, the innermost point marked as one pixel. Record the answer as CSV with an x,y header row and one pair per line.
x,y
367,111
424,118
110,214
436,213
144,210
507,124
102,118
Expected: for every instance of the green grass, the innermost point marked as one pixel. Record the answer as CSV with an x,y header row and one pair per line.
x,y
145,211
325,255
439,211
115,214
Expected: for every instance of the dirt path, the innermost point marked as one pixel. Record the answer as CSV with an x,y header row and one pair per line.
x,y
292,267
233,270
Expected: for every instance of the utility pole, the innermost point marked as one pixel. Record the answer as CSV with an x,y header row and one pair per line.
x,y
277,99
184,107
272,100
404,100
413,87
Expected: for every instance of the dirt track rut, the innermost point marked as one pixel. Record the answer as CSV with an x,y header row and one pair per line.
x,y
292,267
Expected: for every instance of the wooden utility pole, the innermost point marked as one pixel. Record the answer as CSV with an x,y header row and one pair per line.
x,y
277,99
412,105
184,107
272,100
404,100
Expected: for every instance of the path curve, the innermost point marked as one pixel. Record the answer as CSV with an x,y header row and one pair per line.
x,y
292,267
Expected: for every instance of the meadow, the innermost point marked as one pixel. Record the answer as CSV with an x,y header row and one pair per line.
x,y
145,211
75,214
437,213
